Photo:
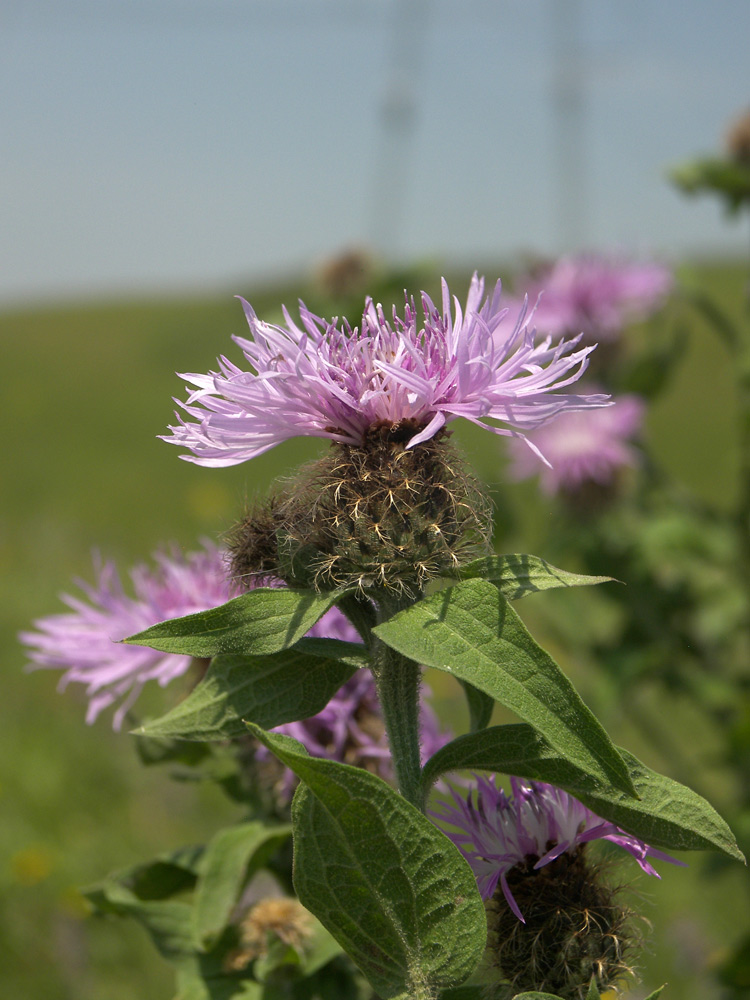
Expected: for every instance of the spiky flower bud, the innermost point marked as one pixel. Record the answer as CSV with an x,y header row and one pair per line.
x,y
553,922
574,929
380,516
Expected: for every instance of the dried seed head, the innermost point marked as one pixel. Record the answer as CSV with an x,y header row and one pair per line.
x,y
285,919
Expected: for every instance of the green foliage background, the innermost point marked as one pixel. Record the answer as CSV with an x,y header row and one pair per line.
x,y
87,389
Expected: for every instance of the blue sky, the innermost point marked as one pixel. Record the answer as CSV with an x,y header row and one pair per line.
x,y
196,144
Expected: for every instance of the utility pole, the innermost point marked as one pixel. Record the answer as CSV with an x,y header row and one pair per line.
x,y
394,143
569,125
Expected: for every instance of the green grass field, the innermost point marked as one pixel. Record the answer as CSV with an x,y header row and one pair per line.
x,y
87,390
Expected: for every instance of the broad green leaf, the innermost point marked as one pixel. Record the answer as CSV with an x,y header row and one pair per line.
x,y
666,814
517,575
259,622
268,690
168,922
168,874
354,653
473,633
170,925
392,890
229,861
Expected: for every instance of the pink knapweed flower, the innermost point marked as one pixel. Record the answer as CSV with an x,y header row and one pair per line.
x,y
595,295
496,831
581,448
85,641
321,380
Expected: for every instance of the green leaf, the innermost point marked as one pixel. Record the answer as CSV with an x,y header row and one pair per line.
x,y
229,861
473,992
318,950
268,690
724,177
195,983
151,752
198,979
168,874
471,632
593,992
666,814
168,923
259,622
517,575
393,891
200,976
481,707
656,994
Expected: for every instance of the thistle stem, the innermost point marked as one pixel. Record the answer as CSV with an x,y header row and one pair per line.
x,y
398,680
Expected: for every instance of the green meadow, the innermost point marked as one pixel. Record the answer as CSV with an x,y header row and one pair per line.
x,y
87,390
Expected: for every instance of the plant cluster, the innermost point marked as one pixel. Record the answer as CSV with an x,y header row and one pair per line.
x,y
371,860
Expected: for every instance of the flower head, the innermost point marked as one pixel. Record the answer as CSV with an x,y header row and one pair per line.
x,y
497,832
85,641
581,448
595,295
323,380
269,920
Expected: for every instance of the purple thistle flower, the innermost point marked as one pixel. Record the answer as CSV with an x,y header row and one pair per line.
x,y
595,294
496,831
581,448
324,381
85,641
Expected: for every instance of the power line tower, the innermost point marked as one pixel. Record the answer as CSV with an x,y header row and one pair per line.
x,y
569,124
394,151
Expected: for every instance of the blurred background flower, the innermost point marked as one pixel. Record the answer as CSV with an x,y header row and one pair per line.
x,y
581,448
593,294
85,641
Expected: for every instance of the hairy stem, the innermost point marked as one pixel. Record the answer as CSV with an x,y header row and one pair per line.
x,y
398,680
361,613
